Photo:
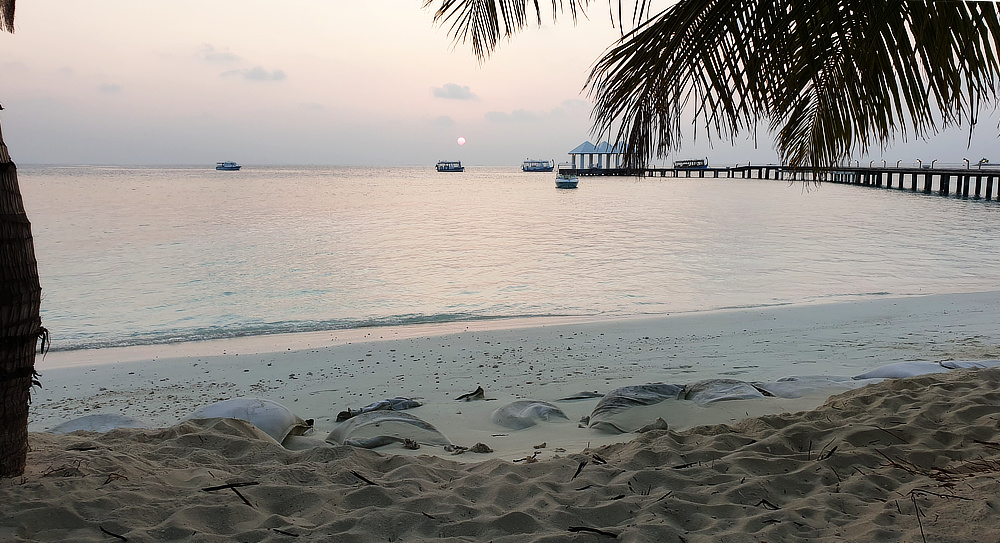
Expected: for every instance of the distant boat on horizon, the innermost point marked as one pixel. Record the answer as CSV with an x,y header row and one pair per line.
x,y
228,166
450,166
538,165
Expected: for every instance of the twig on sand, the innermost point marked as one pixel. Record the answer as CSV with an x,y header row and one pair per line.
x,y
530,459
901,440
665,495
828,453
917,511
991,444
282,532
939,474
915,490
363,478
114,477
242,497
593,531
767,505
579,469
112,534
230,485
478,394
233,487
820,454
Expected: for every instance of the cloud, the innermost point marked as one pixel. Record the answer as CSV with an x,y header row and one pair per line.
x,y
444,120
516,116
451,91
109,88
568,107
256,74
209,53
18,68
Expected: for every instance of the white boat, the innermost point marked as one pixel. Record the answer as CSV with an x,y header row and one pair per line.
x,y
691,164
448,166
566,181
228,166
538,165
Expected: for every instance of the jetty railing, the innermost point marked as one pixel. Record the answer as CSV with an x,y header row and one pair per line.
x,y
977,182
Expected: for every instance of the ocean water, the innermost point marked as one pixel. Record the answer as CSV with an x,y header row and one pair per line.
x,y
147,255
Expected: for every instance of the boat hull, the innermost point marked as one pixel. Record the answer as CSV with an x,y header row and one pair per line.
x,y
567,184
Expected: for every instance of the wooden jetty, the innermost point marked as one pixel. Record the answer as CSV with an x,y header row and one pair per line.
x,y
979,182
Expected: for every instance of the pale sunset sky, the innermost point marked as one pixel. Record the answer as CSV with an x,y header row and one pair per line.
x,y
317,82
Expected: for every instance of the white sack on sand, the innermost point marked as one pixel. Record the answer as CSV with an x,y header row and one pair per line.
x,y
99,422
901,370
377,428
617,411
720,390
271,417
522,414
810,385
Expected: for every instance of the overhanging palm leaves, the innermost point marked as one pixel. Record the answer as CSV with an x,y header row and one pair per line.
x,y
7,15
830,77
480,21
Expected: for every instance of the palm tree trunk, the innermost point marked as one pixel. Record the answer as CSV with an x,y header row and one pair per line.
x,y
20,323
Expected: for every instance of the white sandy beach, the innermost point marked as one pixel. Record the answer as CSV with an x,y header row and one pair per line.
x,y
853,469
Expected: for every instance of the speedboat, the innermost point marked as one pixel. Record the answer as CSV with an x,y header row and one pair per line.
x,y
446,166
228,166
566,181
537,165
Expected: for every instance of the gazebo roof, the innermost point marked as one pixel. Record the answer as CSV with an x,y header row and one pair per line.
x,y
603,147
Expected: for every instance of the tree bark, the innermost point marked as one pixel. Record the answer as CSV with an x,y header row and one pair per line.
x,y
20,322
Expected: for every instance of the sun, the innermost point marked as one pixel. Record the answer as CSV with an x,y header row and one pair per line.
x,y
461,140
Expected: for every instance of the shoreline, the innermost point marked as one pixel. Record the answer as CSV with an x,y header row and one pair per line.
x,y
295,341
544,361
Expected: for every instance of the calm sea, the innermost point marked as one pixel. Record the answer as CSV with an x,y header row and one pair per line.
x,y
145,255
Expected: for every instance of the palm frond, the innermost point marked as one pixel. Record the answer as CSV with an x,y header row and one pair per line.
x,y
830,76
7,15
485,22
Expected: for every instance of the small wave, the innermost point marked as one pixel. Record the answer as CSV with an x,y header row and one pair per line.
x,y
163,337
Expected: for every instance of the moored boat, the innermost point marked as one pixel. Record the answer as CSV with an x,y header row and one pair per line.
x,y
450,166
228,166
538,165
691,164
566,181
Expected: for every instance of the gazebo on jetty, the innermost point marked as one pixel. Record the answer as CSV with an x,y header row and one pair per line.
x,y
602,156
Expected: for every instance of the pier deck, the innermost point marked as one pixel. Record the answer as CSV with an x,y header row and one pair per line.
x,y
972,182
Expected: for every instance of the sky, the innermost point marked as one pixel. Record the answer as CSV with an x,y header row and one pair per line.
x,y
320,82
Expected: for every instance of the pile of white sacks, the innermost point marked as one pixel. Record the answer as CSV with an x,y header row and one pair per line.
x,y
383,422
